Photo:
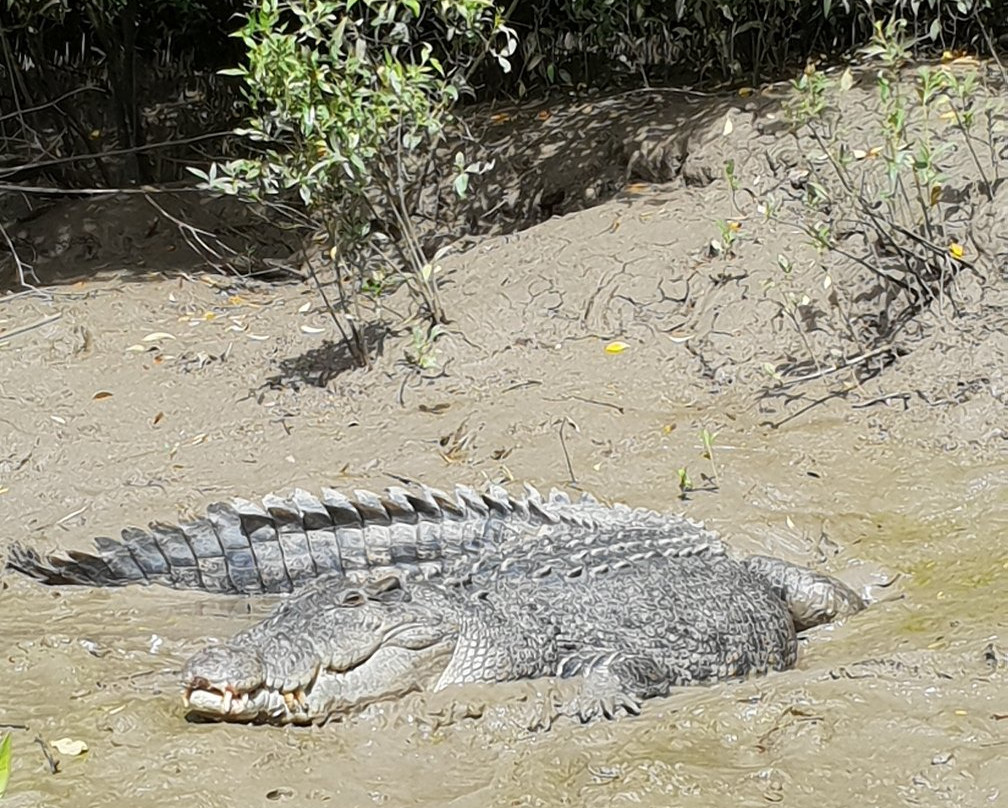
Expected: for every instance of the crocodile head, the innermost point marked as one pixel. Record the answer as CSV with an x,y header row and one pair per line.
x,y
328,652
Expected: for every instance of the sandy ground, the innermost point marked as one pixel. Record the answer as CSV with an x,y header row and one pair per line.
x,y
138,387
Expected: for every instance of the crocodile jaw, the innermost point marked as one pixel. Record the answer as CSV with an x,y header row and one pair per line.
x,y
389,673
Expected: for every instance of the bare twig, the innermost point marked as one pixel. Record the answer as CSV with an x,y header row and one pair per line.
x,y
857,360
6,335
21,266
904,397
39,107
50,190
563,445
50,760
197,238
8,171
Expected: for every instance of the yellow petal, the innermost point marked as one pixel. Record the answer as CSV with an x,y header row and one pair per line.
x,y
956,250
616,347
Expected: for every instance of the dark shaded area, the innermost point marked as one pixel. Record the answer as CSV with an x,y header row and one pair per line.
x,y
317,367
95,97
101,95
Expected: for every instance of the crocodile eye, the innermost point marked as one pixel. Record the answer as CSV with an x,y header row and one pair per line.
x,y
353,597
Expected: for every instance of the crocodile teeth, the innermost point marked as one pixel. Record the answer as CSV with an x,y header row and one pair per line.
x,y
228,696
296,700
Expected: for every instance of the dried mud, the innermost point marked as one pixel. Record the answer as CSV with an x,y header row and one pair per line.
x,y
140,388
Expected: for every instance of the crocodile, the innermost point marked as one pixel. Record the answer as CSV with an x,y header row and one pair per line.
x,y
417,588
622,634
284,542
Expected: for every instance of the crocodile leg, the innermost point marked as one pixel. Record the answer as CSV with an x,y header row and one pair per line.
x,y
813,598
612,683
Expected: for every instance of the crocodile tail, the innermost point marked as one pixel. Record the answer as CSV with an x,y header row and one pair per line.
x,y
165,554
280,543
243,547
76,568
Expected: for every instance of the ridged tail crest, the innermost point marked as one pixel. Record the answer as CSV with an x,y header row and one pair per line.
x,y
278,544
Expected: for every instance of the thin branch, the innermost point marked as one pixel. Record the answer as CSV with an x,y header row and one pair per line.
x,y
54,102
857,360
30,327
76,158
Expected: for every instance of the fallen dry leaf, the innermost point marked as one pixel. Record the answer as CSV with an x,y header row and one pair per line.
x,y
69,746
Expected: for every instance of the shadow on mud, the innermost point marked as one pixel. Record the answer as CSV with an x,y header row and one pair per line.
x,y
317,367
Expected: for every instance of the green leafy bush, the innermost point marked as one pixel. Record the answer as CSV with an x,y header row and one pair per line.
x,y
897,199
351,99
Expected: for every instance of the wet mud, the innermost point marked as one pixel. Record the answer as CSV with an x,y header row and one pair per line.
x,y
143,394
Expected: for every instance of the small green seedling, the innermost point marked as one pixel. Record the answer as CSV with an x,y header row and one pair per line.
x,y
707,438
685,483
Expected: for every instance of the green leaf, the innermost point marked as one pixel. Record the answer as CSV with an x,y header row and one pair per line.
x,y
5,762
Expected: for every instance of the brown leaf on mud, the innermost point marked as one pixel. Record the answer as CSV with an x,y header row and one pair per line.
x,y
455,446
100,395
157,419
435,409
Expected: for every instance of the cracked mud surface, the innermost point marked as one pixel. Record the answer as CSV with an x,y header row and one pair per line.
x,y
141,388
